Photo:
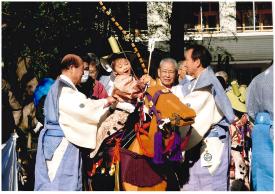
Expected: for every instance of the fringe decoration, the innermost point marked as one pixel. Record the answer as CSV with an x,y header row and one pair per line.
x,y
175,150
158,149
116,157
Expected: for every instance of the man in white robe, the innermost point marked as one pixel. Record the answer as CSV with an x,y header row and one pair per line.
x,y
207,159
70,122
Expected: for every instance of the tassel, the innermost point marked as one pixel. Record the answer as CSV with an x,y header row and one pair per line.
x,y
175,150
116,157
158,149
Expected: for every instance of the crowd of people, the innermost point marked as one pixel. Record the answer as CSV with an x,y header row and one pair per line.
x,y
69,117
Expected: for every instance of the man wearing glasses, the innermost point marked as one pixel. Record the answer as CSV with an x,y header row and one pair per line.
x,y
167,72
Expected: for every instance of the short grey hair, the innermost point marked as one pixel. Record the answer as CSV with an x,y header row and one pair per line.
x,y
222,74
171,60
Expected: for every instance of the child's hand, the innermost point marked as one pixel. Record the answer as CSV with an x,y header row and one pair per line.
x,y
145,78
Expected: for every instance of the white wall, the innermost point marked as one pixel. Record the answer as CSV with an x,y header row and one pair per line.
x,y
227,11
158,15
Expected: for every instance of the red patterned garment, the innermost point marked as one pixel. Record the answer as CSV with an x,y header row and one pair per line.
x,y
99,90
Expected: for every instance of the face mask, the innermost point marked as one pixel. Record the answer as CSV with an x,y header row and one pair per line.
x,y
85,76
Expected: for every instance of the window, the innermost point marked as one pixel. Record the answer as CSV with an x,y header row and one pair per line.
x,y
263,11
254,16
244,12
210,15
205,16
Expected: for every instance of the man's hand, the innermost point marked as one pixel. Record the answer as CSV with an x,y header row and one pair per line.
x,y
110,101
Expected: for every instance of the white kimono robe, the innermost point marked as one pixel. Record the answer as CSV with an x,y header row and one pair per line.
x,y
78,118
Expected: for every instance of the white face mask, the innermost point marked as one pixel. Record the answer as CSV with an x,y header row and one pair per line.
x,y
85,76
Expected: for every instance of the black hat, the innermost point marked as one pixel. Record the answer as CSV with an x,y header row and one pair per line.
x,y
106,61
126,54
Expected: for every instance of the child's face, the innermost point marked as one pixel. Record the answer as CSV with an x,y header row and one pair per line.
x,y
122,66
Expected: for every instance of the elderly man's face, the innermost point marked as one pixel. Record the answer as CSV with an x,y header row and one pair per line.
x,y
167,74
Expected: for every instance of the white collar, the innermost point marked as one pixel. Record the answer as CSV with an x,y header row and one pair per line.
x,y
189,77
67,79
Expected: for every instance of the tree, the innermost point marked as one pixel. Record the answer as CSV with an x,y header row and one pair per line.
x,y
45,31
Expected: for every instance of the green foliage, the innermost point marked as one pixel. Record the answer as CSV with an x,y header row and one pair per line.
x,y
45,31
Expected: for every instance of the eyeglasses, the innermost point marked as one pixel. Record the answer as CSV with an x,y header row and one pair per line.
x,y
167,72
